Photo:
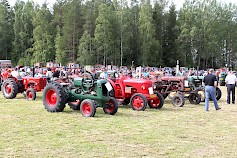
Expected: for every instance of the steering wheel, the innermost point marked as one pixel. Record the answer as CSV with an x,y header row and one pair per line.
x,y
87,81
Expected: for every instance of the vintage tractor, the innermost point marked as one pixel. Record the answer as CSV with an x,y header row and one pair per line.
x,y
26,85
177,88
137,92
196,83
81,93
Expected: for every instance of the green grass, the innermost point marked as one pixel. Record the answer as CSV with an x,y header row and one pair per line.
x,y
28,130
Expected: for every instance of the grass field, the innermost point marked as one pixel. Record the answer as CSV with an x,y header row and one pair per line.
x,y
28,130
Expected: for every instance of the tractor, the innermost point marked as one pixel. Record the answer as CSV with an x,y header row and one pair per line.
x,y
196,83
80,93
177,88
26,85
137,92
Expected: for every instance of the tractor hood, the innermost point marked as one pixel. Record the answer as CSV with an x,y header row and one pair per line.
x,y
132,81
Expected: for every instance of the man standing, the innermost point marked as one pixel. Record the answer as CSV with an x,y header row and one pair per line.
x,y
230,81
210,89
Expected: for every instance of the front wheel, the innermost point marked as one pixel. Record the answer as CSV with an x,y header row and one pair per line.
x,y
111,107
178,100
88,108
158,102
194,98
138,102
30,94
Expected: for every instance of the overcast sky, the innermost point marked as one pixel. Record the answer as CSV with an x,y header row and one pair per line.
x,y
178,3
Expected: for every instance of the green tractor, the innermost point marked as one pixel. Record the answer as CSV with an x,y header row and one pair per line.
x,y
81,93
196,83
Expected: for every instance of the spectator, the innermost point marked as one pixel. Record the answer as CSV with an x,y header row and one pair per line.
x,y
49,74
210,89
15,73
230,81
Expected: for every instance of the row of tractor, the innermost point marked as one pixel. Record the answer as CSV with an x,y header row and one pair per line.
x,y
86,93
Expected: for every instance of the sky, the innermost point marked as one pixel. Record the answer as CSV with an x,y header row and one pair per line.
x,y
178,3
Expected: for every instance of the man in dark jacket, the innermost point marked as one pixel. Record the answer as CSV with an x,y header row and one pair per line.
x,y
210,89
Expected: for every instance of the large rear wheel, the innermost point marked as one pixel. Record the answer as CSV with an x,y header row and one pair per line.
x,y
54,98
138,102
111,107
9,89
88,108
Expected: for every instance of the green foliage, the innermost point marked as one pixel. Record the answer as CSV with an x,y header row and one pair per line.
x,y
202,33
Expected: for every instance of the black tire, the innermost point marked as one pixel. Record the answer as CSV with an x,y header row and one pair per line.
x,y
88,108
75,105
158,102
218,93
30,94
126,101
138,102
111,107
194,98
54,98
9,89
178,100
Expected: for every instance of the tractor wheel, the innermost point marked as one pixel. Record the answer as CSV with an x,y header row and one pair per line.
x,y
75,105
9,89
54,98
194,98
178,100
158,102
30,94
111,107
126,101
218,93
138,102
88,108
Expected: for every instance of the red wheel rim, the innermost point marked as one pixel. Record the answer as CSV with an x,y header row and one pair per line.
x,y
51,97
110,108
8,88
155,102
137,102
29,95
86,108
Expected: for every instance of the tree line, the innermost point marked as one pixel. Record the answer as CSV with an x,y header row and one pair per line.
x,y
120,32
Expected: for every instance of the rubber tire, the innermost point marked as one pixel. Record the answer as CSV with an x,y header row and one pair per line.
x,y
61,98
218,93
111,107
142,108
14,89
194,98
178,100
92,107
33,93
161,98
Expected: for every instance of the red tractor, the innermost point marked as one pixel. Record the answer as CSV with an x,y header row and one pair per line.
x,y
26,85
137,92
176,88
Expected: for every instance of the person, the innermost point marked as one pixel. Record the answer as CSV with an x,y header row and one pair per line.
x,y
103,74
49,74
210,89
5,74
15,73
230,81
